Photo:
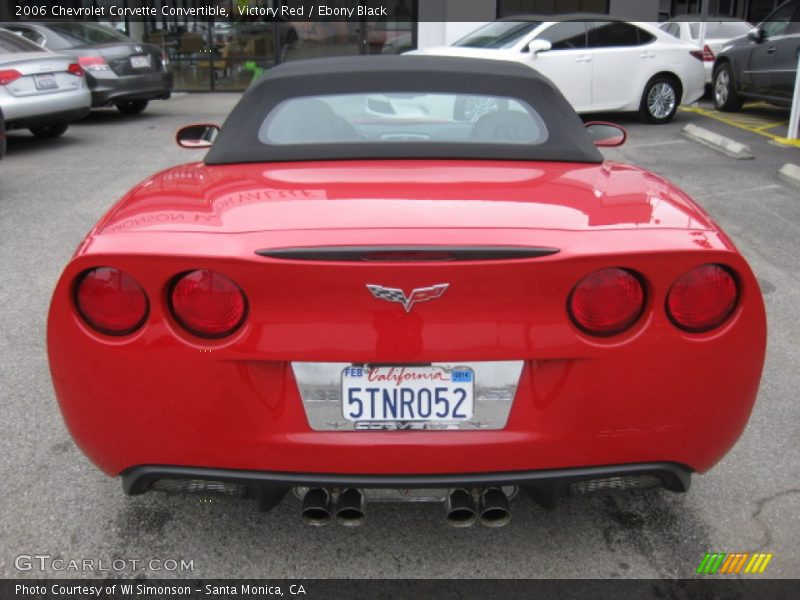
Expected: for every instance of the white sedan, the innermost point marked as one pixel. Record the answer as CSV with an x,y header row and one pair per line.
x,y
599,65
717,35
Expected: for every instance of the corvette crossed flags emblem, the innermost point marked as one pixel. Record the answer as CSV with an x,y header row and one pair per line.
x,y
416,295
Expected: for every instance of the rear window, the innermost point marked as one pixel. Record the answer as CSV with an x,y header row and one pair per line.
x,y
11,43
398,118
86,34
720,30
500,34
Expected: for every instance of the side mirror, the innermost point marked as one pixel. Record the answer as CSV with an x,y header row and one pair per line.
x,y
756,34
606,135
201,135
537,46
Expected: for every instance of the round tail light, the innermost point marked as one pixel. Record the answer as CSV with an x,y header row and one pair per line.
x,y
606,302
702,298
208,304
111,301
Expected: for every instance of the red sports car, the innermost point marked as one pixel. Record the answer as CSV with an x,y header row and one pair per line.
x,y
358,297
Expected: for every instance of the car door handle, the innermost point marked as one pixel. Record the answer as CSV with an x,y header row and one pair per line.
x,y
584,58
647,55
771,50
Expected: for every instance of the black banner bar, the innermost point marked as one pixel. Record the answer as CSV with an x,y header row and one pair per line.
x,y
706,588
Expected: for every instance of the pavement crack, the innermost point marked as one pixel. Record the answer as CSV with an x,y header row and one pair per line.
x,y
761,503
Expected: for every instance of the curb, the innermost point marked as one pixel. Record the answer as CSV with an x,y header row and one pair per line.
x,y
718,142
790,173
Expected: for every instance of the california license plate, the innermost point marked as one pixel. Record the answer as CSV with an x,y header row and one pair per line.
x,y
407,393
140,62
45,81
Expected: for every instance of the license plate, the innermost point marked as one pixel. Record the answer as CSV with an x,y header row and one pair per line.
x,y
45,81
400,393
140,62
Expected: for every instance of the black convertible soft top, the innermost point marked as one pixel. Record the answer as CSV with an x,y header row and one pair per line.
x,y
238,142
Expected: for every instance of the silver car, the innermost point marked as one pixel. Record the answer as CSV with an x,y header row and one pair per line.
x,y
40,90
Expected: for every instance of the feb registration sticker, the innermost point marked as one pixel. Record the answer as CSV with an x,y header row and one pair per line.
x,y
407,393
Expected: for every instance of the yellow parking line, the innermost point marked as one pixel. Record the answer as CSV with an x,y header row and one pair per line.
x,y
745,122
770,126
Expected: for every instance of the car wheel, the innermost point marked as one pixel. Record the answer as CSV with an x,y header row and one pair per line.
x,y
660,100
131,107
49,131
724,91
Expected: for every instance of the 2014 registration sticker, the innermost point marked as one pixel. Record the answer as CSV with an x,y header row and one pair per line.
x,y
407,393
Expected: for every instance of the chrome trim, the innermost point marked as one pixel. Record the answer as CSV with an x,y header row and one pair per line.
x,y
417,294
320,387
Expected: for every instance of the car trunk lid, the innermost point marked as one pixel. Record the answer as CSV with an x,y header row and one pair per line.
x,y
41,73
407,195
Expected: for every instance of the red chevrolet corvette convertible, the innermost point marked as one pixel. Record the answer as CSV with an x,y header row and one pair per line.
x,y
358,297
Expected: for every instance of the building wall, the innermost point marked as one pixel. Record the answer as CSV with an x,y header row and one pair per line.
x,y
437,20
635,10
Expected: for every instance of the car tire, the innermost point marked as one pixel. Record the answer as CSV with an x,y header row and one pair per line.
x,y
47,132
660,100
131,107
723,89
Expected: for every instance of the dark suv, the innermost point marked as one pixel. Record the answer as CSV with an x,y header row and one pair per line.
x,y
763,64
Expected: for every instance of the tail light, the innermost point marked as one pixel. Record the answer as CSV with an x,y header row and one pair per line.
x,y
208,304
164,61
93,63
111,301
9,76
702,298
606,302
698,54
75,69
708,54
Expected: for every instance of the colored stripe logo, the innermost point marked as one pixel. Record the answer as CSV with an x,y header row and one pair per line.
x,y
722,563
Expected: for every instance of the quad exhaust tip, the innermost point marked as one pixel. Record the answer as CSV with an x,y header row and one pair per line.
x,y
350,507
463,507
460,509
491,510
494,510
317,507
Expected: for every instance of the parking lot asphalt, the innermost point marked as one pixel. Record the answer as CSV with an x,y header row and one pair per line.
x,y
55,502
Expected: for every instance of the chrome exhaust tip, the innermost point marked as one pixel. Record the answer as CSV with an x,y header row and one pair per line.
x,y
459,508
317,507
351,507
494,510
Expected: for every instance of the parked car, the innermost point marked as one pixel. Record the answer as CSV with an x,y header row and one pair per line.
x,y
717,35
2,135
40,90
598,63
119,71
336,302
763,64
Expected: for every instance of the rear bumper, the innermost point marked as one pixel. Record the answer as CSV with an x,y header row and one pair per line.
x,y
160,397
694,84
545,486
133,87
57,118
46,109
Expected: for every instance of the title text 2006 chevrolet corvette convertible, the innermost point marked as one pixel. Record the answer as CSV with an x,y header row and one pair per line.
x,y
359,297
